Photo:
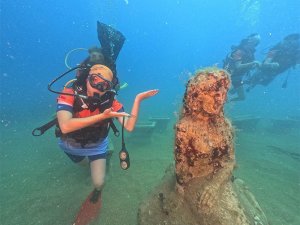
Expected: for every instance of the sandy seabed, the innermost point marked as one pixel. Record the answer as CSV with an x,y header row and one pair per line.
x,y
39,185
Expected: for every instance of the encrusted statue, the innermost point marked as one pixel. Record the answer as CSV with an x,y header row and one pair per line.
x,y
202,191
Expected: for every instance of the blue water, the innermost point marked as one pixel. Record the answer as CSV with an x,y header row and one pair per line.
x,y
166,41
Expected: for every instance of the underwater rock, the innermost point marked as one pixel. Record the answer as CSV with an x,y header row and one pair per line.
x,y
246,123
143,130
161,123
285,125
202,191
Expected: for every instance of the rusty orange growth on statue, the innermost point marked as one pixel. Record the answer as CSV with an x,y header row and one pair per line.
x,y
203,142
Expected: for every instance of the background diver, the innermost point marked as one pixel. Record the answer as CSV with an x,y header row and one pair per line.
x,y
239,62
280,58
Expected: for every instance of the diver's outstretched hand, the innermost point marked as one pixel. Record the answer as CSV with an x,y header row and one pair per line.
x,y
109,113
147,94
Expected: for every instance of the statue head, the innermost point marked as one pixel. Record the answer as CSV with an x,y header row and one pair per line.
x,y
206,93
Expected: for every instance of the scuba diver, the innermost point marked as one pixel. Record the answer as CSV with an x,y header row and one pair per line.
x,y
240,62
84,119
87,105
281,57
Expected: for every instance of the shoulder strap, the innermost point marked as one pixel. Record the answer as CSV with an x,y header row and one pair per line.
x,y
114,128
79,104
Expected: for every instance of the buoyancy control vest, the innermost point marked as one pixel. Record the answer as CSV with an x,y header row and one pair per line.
x,y
286,54
95,132
247,55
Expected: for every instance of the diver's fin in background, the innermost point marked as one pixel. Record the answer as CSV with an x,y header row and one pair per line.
x,y
111,40
284,85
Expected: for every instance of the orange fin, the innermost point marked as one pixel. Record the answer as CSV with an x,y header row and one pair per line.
x,y
89,210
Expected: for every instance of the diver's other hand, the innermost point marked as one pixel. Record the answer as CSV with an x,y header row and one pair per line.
x,y
147,94
109,113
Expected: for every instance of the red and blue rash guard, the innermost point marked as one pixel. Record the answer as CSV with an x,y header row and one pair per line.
x,y
237,55
69,145
66,102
